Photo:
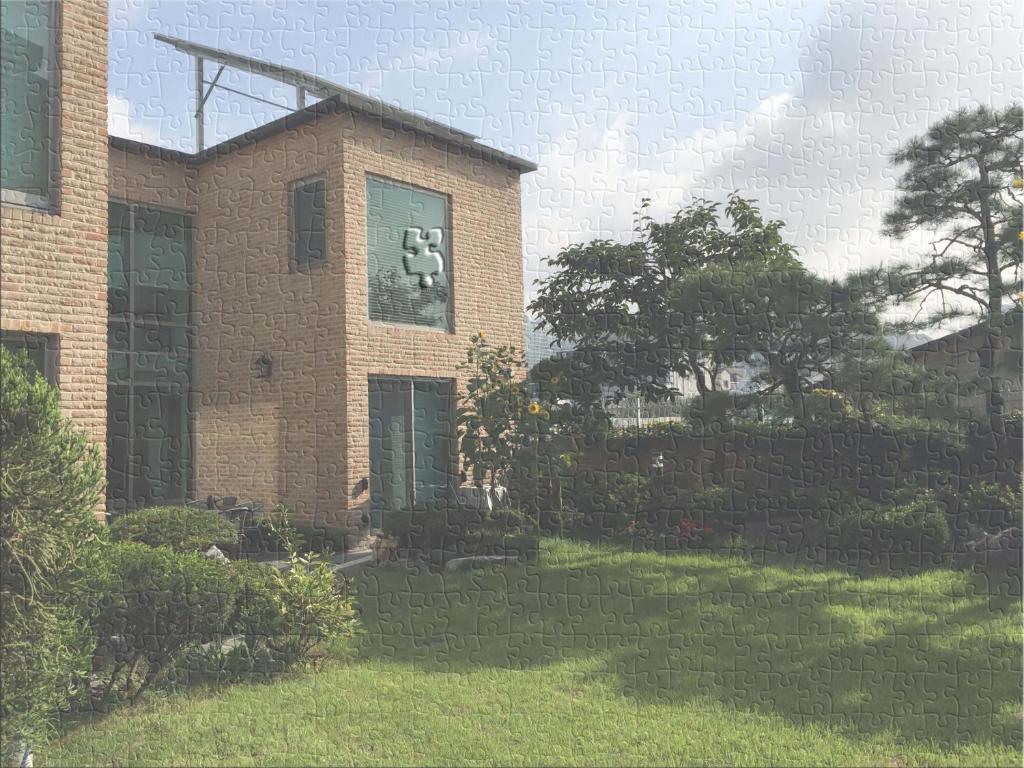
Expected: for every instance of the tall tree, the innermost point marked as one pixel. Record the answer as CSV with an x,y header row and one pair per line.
x,y
961,182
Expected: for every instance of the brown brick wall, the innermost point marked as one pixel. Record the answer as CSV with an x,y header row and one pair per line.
x,y
301,435
53,271
136,177
486,249
276,438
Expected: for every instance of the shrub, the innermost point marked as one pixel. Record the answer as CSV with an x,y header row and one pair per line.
x,y
908,536
443,530
289,613
274,530
608,500
183,529
154,602
991,505
50,482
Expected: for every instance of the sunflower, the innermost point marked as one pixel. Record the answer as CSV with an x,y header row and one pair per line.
x,y
534,408
481,335
1018,183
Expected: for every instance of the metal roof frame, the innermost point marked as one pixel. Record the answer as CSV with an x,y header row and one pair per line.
x,y
304,84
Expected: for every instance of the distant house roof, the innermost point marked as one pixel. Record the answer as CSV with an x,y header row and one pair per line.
x,y
971,337
388,115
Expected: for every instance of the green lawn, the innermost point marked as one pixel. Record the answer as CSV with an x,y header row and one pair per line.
x,y
595,656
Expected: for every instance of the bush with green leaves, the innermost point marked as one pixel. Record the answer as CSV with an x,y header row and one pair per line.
x,y
183,529
50,484
908,536
154,603
990,505
607,500
288,613
443,529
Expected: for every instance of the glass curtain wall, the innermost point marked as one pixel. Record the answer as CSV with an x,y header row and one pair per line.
x,y
149,377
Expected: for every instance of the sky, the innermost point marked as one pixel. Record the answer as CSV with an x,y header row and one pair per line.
x,y
796,105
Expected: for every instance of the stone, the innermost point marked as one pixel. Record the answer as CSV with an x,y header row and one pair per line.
x,y
479,561
214,553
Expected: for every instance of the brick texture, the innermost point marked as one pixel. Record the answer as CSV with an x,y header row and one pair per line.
x,y
53,270
301,435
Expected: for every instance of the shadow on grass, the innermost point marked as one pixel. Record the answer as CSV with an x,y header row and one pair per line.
x,y
930,657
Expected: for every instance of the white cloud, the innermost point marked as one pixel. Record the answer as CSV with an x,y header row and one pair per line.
x,y
815,155
123,120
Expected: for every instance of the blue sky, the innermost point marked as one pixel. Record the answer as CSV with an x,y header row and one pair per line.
x,y
796,105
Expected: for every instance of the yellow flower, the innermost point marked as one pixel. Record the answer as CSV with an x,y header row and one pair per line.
x,y
481,334
1020,235
1018,183
534,408
546,415
555,380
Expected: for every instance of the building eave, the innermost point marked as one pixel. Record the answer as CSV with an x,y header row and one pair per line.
x,y
392,117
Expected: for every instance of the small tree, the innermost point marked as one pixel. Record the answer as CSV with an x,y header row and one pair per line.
x,y
491,410
50,481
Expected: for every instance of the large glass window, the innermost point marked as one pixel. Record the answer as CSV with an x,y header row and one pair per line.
x,y
412,442
309,223
149,374
408,254
28,101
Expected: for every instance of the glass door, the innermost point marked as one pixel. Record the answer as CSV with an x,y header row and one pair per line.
x,y
411,442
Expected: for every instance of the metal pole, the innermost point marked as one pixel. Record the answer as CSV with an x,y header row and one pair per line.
x,y
300,97
200,139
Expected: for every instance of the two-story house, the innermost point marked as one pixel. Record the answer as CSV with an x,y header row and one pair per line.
x,y
277,317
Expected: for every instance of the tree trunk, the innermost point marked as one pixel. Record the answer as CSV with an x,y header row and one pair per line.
x,y
988,364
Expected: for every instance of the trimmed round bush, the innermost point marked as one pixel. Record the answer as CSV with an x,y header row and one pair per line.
x,y
154,602
183,529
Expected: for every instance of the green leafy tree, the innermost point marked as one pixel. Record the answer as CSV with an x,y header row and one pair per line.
x,y
50,483
961,182
692,295
496,417
625,306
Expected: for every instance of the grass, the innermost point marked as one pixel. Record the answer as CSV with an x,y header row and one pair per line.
x,y
597,656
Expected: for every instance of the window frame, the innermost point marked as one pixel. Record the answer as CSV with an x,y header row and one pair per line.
x,y
294,265
450,231
50,203
51,351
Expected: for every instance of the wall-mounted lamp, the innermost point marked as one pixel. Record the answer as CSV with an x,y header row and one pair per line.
x,y
360,488
263,366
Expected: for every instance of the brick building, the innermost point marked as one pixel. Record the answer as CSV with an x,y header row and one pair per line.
x,y
278,317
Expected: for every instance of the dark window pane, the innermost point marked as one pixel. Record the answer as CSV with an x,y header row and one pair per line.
x,y
161,444
161,265
433,435
27,30
118,243
309,217
149,356
407,250
412,436
118,447
41,349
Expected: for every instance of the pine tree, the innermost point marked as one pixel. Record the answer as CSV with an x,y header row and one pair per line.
x,y
961,181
